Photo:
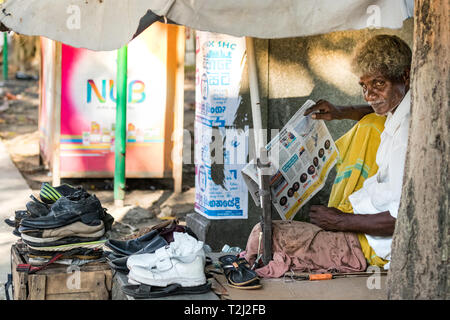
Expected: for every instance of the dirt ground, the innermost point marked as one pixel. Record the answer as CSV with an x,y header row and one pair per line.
x,y
147,201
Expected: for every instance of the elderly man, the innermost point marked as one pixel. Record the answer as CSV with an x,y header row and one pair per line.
x,y
369,176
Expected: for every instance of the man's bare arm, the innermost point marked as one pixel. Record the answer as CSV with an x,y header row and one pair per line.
x,y
324,110
331,219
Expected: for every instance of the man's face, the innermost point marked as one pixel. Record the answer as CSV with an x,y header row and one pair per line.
x,y
382,94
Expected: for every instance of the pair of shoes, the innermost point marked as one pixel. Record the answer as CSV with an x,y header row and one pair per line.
x,y
66,211
144,243
182,263
238,273
123,249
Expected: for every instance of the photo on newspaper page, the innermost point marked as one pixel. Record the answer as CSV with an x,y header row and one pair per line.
x,y
301,156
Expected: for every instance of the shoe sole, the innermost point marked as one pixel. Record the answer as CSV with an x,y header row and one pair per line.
x,y
184,282
97,234
66,247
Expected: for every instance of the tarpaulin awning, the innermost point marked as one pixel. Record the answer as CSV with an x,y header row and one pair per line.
x,y
109,24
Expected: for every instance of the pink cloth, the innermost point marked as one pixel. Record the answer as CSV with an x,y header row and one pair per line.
x,y
304,247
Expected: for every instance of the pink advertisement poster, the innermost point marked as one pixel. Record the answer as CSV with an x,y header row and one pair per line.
x,y
88,108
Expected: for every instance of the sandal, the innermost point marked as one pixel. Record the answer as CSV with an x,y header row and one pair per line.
x,y
143,291
238,273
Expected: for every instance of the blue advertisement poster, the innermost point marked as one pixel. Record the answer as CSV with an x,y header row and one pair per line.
x,y
220,149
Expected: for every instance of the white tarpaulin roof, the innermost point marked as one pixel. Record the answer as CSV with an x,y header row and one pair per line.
x,y
109,24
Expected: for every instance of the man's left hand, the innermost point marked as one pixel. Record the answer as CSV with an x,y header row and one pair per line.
x,y
328,218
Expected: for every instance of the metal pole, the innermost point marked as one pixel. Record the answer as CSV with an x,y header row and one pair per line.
x,y
121,126
5,56
261,154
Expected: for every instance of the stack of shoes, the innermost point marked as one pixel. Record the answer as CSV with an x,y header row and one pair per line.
x,y
154,238
177,268
67,226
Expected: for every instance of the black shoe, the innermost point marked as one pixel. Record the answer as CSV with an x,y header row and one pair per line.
x,y
66,211
37,208
15,223
49,194
147,243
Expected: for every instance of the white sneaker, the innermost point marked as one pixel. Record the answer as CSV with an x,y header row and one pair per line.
x,y
184,248
170,271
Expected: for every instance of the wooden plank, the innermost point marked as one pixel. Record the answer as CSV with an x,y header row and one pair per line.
x,y
37,285
80,286
19,278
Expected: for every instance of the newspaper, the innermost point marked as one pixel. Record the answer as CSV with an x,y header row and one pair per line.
x,y
301,156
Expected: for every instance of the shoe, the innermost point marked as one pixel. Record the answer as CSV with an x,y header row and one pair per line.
x,y
182,262
76,229
118,261
238,273
184,247
75,253
143,291
57,241
119,264
35,241
37,208
150,241
171,271
98,244
49,194
14,221
66,211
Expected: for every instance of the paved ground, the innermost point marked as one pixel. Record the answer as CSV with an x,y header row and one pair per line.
x,y
14,193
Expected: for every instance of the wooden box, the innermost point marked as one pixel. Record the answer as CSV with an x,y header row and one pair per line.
x,y
58,282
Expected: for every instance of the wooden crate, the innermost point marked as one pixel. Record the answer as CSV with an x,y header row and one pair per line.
x,y
56,282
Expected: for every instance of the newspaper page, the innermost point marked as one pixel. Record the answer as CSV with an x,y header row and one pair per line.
x,y
301,156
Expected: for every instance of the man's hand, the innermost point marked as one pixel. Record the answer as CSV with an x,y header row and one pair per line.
x,y
325,111
328,218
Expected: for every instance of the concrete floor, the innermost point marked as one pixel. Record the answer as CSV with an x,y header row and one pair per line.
x,y
14,194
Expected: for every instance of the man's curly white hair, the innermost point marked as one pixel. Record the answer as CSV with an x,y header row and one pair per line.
x,y
387,54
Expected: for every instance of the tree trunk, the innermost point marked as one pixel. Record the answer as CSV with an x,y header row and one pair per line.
x,y
419,265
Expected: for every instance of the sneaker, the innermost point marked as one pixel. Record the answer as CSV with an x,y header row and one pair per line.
x,y
182,262
39,241
49,194
184,247
170,271
76,229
